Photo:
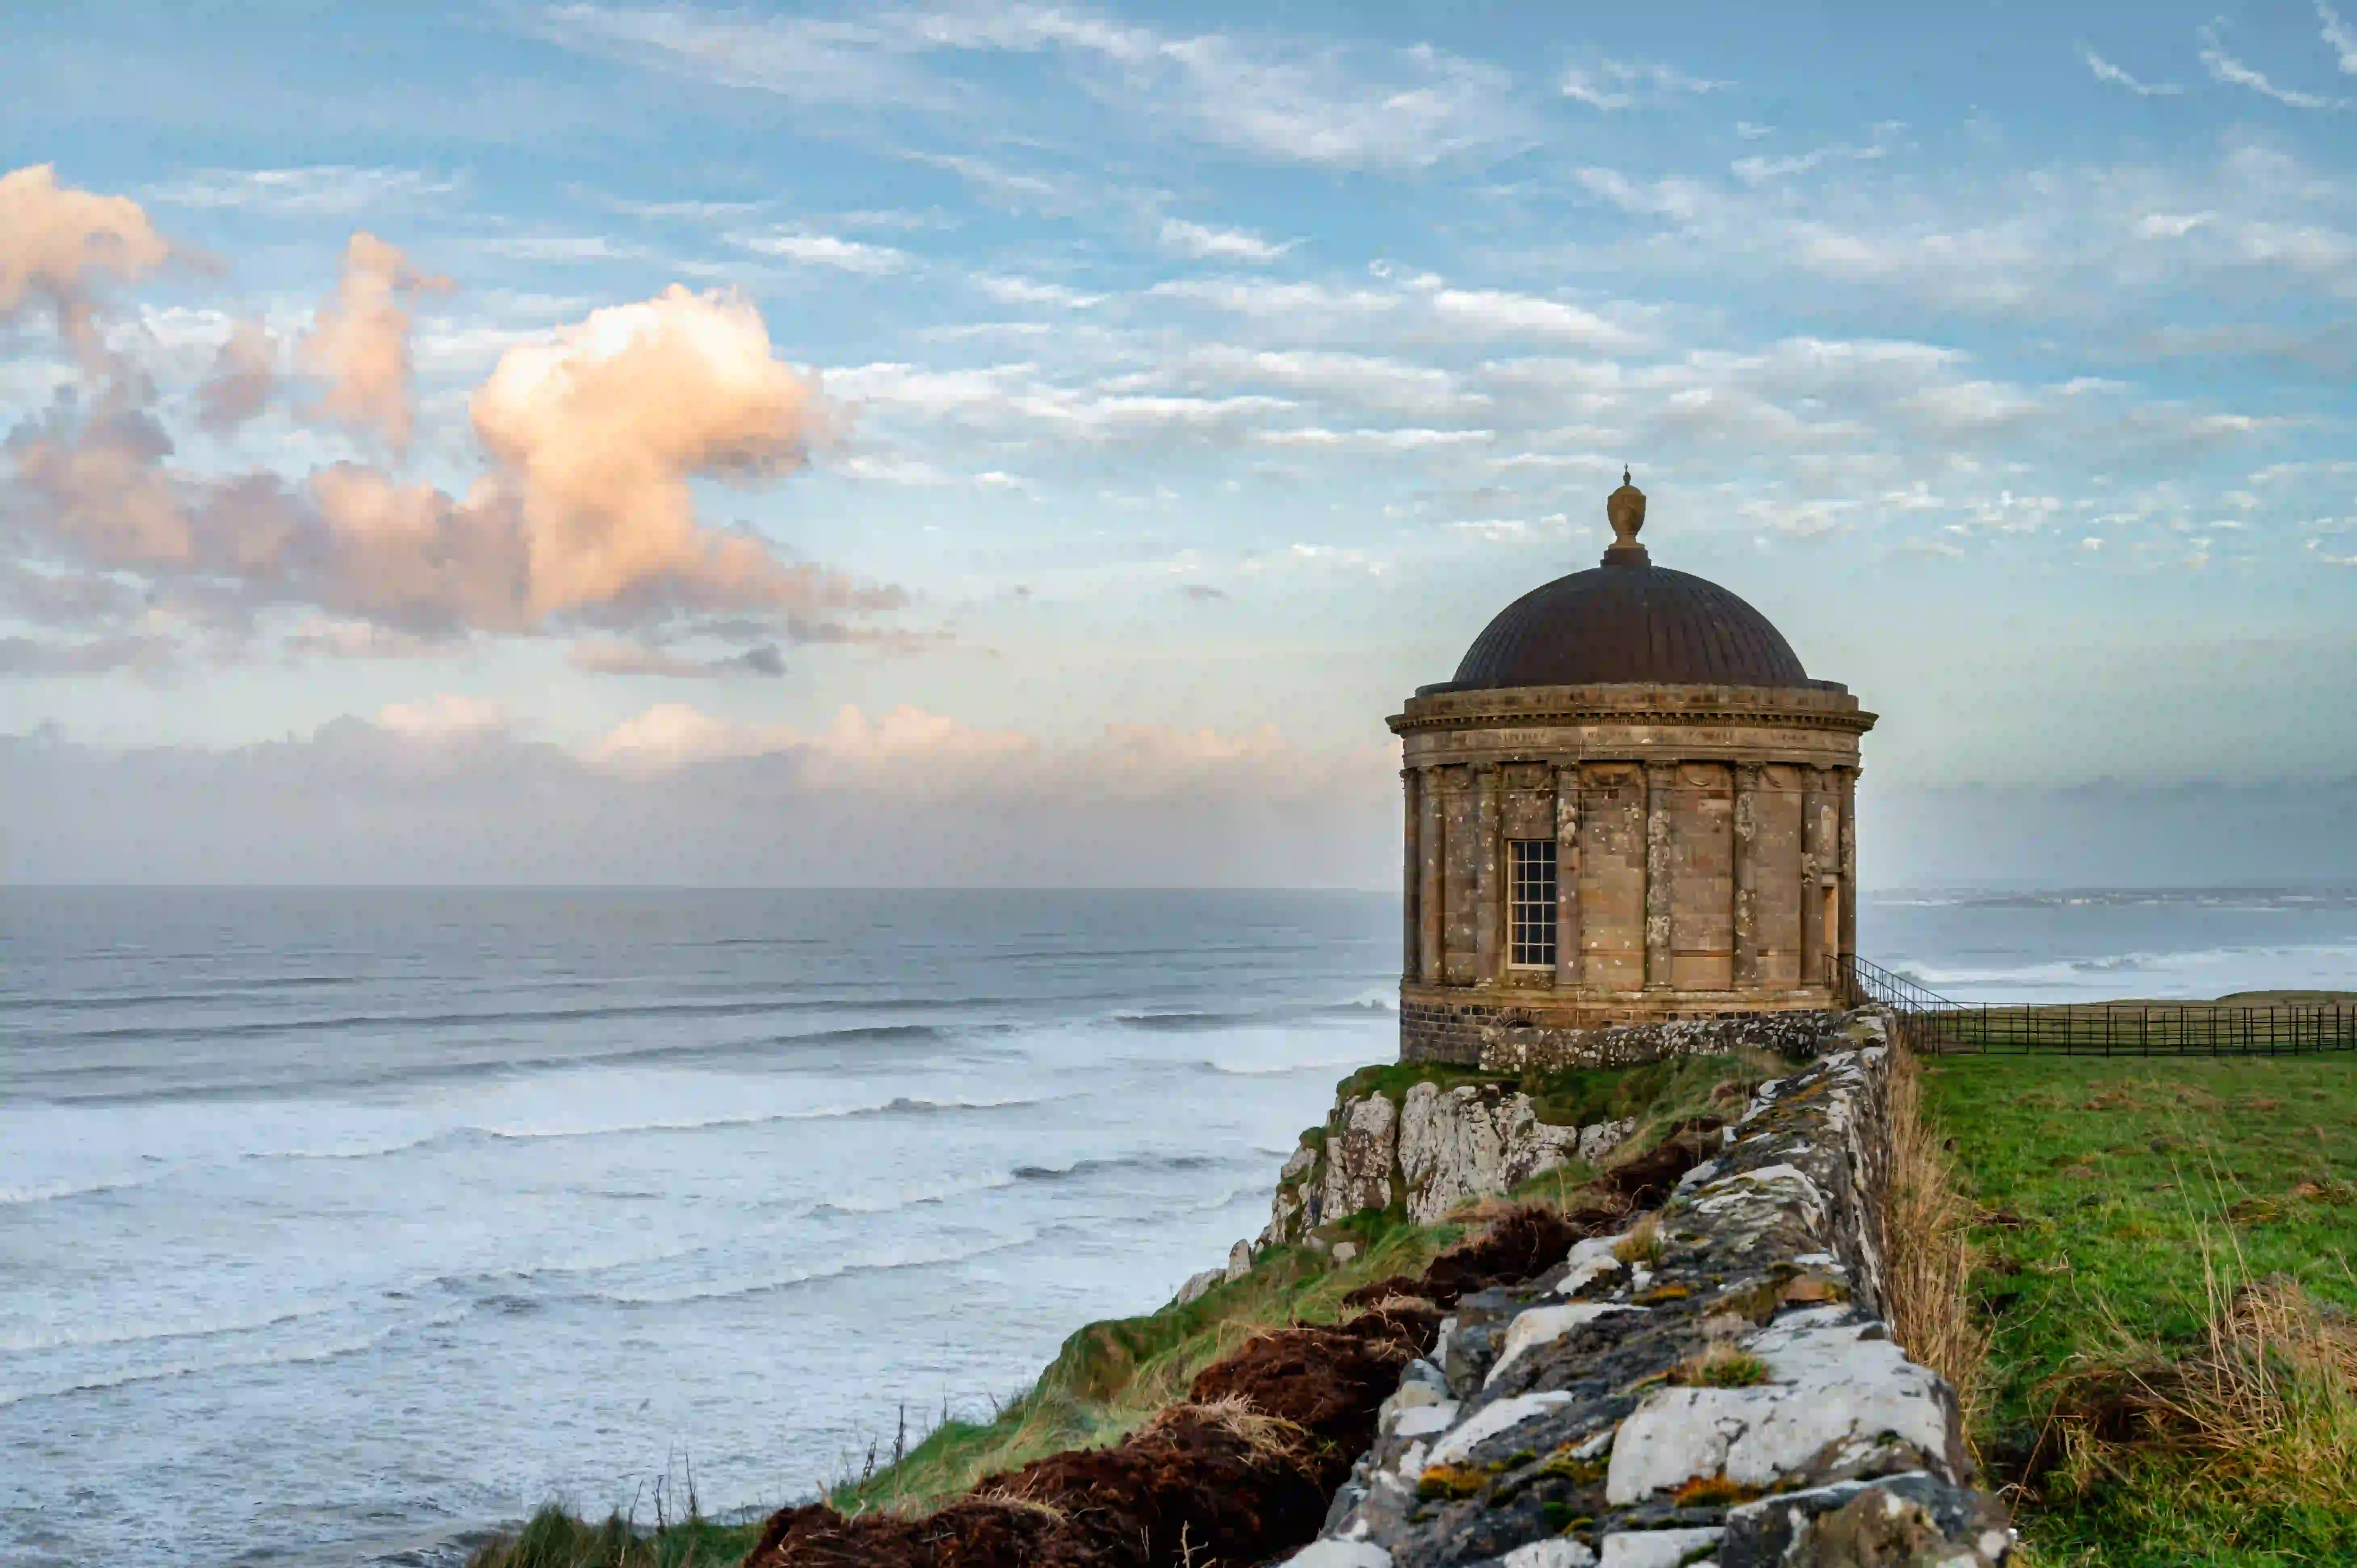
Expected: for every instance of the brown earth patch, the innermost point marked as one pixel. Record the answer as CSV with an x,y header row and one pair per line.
x,y
1239,1474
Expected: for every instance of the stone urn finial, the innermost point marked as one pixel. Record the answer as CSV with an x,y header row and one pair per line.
x,y
1625,509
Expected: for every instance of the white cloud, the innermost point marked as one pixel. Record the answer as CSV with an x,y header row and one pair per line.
x,y
2305,247
1615,84
1407,440
1005,398
1265,95
2340,35
338,191
674,735
1959,406
2173,225
443,717
1328,105
561,249
1364,381
1679,200
1260,297
1031,291
2107,72
1498,313
1204,243
1757,170
2225,68
825,251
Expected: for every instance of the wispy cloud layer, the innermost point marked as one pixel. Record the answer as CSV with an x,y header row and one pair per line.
x,y
2226,69
1122,350
332,190
2107,72
1613,84
1321,104
1203,243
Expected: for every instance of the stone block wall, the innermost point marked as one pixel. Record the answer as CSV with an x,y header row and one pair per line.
x,y
1500,1037
1714,1389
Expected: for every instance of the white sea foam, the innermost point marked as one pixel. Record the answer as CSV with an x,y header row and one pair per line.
x,y
52,1191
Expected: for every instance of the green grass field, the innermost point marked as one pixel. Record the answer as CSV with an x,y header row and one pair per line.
x,y
2114,1196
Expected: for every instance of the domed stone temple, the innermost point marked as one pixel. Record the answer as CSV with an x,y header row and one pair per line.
x,y
1631,806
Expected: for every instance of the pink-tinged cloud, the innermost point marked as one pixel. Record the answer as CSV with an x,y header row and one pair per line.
x,y
101,484
584,515
244,374
601,428
56,241
359,343
909,752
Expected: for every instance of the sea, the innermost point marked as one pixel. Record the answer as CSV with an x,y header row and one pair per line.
x,y
339,1226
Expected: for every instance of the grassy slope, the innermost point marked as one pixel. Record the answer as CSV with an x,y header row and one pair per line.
x,y
1110,1378
2102,1184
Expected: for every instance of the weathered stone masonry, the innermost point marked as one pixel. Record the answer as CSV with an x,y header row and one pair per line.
x,y
1724,1394
1691,791
1717,882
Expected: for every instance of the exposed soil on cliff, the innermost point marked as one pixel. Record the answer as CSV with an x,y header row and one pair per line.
x,y
1239,1474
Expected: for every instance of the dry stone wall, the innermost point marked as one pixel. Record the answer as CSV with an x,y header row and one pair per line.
x,y
1430,1149
1715,1387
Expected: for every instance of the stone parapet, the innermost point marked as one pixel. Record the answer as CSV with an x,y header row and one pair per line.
x,y
1443,1023
1714,1387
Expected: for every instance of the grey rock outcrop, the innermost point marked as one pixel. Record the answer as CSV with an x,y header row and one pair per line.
x,y
1716,1388
1433,1149
1199,1285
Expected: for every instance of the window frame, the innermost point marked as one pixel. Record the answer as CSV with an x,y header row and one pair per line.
x,y
1531,864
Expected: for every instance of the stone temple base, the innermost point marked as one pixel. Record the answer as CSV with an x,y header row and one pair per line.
x,y
1443,1025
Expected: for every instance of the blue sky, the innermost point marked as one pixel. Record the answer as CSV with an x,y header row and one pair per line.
x,y
1200,381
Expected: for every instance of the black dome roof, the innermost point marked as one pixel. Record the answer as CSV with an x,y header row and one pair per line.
x,y
1629,621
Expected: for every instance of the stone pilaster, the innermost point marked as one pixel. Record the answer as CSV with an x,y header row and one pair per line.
x,y
1848,803
1430,840
1660,778
1411,870
1489,934
1820,859
1746,877
1566,876
1461,876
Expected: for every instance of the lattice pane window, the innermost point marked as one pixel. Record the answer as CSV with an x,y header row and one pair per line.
x,y
1530,909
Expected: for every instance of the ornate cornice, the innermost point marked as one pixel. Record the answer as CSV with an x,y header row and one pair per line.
x,y
1856,721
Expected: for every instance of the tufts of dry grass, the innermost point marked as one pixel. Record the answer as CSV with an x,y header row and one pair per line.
x,y
1643,1244
1720,1367
2262,1408
1006,1498
1929,1257
1271,1439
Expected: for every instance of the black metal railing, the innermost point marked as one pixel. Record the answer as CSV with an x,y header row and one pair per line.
x,y
1931,1023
